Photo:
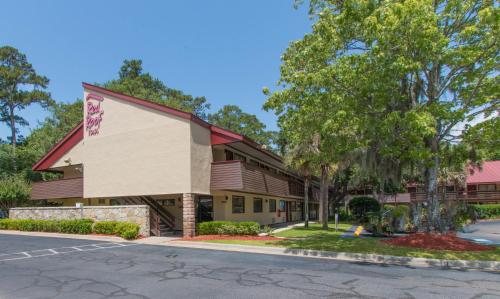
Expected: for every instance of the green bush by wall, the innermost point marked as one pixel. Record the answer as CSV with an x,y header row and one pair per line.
x,y
228,228
126,230
487,211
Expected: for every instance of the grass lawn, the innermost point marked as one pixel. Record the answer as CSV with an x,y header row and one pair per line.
x,y
317,239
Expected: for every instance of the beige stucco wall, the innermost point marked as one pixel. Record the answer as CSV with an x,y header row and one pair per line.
x,y
137,214
223,208
74,155
139,151
201,159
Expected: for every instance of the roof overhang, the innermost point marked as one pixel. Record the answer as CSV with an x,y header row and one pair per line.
x,y
68,142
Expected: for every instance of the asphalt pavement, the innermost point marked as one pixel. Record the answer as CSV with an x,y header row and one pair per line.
x,y
485,232
39,267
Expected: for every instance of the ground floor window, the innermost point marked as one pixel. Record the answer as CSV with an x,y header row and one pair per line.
x,y
238,204
257,205
272,205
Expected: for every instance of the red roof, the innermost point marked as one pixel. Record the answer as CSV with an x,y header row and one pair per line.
x,y
218,135
489,173
57,151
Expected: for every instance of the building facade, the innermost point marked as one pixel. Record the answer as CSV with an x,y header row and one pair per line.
x,y
482,186
131,151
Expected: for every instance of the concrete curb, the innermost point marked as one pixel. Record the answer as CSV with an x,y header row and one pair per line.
x,y
67,236
346,256
330,255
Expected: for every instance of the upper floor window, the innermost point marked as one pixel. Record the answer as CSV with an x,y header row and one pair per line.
x,y
238,204
488,187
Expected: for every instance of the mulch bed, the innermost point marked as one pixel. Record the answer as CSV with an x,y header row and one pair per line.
x,y
228,237
437,241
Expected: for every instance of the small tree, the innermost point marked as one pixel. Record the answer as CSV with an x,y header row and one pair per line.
x,y
361,207
14,191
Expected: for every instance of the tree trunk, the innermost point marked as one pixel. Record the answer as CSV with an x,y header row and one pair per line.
x,y
306,202
431,182
323,203
12,121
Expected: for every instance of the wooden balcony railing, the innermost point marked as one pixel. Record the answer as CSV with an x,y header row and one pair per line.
x,y
58,189
471,196
240,176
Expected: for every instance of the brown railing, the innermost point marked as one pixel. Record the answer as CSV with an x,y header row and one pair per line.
x,y
237,175
471,196
58,189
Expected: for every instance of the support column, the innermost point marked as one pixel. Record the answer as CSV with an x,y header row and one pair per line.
x,y
188,216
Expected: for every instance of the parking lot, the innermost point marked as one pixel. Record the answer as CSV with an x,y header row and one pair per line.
x,y
40,267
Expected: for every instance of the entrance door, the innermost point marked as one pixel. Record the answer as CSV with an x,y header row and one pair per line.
x,y
204,209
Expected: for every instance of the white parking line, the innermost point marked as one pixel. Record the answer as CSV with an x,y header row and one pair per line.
x,y
55,251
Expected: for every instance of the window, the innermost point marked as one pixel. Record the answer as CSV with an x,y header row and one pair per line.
x,y
450,188
489,187
257,205
102,201
229,155
293,206
272,205
167,202
238,204
239,157
282,205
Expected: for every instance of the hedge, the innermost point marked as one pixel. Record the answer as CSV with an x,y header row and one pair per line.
x,y
487,211
78,226
126,230
228,228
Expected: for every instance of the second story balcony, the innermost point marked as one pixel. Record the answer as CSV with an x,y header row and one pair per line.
x,y
240,176
58,189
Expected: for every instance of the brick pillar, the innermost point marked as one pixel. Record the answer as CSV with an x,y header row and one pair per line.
x,y
188,219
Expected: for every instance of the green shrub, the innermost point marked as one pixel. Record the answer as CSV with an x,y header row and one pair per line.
x,y
361,207
228,228
126,230
487,211
105,227
78,226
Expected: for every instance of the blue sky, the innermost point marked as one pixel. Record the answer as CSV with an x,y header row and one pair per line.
x,y
226,51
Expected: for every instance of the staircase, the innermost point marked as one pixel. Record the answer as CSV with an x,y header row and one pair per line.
x,y
161,221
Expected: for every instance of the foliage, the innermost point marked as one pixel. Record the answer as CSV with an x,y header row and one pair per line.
x,y
20,86
79,226
126,230
361,207
14,191
228,228
134,82
231,117
488,211
412,72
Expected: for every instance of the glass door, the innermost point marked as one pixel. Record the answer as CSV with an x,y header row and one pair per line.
x,y
204,209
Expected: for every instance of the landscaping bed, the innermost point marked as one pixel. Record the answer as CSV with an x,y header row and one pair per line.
x,y
232,237
437,242
317,239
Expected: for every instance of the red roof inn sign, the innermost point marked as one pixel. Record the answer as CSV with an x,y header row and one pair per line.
x,y
94,114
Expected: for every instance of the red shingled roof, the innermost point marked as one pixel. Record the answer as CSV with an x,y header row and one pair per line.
x,y
489,173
